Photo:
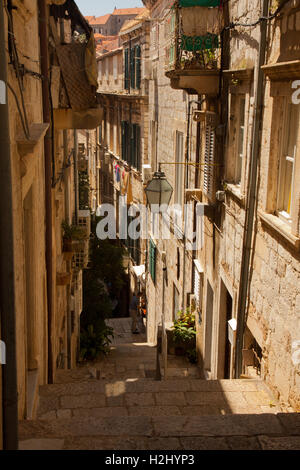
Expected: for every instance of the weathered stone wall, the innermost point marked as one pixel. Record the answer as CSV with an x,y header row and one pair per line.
x,y
273,313
28,180
168,110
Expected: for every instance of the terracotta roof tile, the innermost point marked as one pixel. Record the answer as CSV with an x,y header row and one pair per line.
x,y
128,11
99,19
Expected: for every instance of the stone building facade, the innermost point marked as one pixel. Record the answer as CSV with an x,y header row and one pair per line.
x,y
259,299
111,24
47,275
123,84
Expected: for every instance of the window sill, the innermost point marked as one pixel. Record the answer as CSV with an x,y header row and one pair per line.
x,y
281,227
235,190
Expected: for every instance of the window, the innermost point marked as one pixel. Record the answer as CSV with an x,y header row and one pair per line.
x,y
154,144
131,144
152,260
115,67
133,246
179,169
287,161
240,143
126,69
132,67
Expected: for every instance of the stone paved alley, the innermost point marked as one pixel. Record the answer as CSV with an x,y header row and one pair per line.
x,y
118,404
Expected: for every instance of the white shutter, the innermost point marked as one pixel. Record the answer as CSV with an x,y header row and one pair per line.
x,y
209,160
198,275
115,66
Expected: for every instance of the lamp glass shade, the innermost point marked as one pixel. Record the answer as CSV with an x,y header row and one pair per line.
x,y
159,191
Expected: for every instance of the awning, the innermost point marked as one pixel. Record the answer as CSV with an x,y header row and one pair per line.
x,y
139,270
69,119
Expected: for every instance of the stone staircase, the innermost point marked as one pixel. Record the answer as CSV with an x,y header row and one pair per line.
x,y
117,404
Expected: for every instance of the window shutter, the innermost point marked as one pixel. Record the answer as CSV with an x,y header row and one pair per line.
x,y
123,126
132,67
209,159
138,66
152,260
138,148
126,71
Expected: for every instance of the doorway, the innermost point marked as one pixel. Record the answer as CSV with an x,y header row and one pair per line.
x,y
208,327
31,354
224,345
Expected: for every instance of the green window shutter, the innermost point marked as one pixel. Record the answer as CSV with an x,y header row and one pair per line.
x,y
123,142
199,3
138,147
138,66
126,69
152,260
132,67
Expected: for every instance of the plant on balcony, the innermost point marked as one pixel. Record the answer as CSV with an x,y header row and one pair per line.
x,y
73,237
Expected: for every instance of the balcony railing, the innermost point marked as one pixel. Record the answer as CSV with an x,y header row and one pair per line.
x,y
192,39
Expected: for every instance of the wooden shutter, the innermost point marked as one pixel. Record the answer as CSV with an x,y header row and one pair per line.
x,y
152,260
123,142
209,160
132,67
126,69
138,67
138,147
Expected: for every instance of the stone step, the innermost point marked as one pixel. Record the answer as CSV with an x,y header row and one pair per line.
x,y
146,397
136,428
163,443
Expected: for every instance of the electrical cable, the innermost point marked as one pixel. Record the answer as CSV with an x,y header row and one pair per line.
x,y
16,65
26,131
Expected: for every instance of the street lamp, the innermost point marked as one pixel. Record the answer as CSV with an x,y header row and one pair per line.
x,y
159,191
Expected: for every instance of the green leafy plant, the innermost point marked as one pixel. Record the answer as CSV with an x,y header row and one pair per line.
x,y
184,327
73,232
184,334
95,341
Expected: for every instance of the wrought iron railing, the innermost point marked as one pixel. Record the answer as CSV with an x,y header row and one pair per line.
x,y
185,48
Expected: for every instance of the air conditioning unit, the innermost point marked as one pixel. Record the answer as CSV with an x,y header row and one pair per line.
x,y
208,117
84,221
147,173
193,194
81,149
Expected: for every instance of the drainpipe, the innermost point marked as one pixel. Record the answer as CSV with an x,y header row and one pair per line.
x,y
44,53
251,195
7,281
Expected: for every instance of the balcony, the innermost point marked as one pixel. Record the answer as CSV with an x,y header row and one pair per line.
x,y
193,46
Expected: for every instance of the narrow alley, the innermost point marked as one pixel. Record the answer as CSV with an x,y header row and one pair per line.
x,y
117,404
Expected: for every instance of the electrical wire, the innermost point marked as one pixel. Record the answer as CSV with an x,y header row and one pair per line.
x,y
16,65
26,131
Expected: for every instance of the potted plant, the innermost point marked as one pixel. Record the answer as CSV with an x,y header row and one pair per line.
x,y
73,237
184,333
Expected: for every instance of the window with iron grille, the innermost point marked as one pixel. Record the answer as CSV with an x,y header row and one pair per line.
x,y
209,160
152,260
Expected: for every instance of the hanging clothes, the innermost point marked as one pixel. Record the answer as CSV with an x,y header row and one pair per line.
x,y
200,21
